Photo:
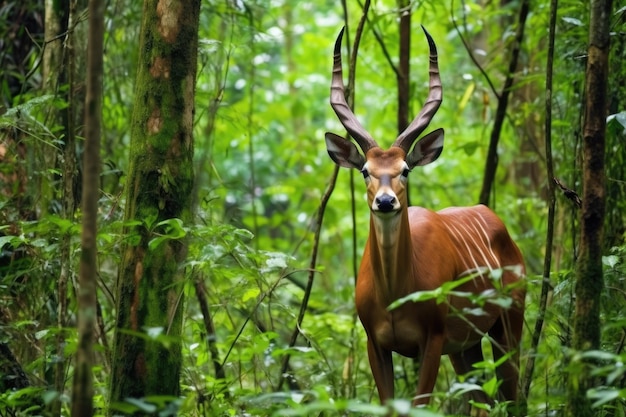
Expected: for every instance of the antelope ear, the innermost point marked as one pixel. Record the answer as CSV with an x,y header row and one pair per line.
x,y
426,150
343,152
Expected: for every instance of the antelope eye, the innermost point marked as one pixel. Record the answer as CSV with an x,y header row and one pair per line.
x,y
365,173
405,172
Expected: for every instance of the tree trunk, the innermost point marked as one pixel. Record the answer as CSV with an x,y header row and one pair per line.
x,y
147,346
55,75
63,70
589,278
82,391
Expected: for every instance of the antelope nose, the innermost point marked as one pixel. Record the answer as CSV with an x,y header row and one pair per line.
x,y
385,203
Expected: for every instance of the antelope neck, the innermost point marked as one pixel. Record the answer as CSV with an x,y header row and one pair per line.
x,y
391,248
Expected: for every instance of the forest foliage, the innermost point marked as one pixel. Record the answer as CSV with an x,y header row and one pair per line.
x,y
261,170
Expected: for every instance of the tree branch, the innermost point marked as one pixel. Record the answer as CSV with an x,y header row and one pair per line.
x,y
491,163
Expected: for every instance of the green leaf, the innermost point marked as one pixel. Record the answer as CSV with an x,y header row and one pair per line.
x,y
174,230
491,387
366,409
14,241
154,332
466,97
416,297
611,261
477,312
504,302
480,406
275,261
154,243
423,412
460,388
573,21
49,396
469,148
142,405
618,371
496,274
619,118
150,216
400,406
599,355
603,396
251,293
41,334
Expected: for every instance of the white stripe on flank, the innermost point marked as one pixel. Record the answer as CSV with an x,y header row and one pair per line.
x,y
483,224
473,235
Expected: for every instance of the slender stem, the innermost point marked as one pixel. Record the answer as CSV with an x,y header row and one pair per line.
x,y
491,163
354,260
547,263
251,129
83,389
201,294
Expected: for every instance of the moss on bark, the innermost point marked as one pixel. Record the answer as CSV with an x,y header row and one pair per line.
x,y
589,278
147,347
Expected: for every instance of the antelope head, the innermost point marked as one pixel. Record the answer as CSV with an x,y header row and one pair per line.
x,y
385,171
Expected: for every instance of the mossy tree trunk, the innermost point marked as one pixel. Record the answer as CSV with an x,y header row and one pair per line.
x,y
589,277
147,347
63,71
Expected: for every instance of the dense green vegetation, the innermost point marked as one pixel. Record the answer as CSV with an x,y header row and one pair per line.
x,y
261,170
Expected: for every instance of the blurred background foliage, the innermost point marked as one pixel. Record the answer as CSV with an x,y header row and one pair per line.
x,y
261,169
